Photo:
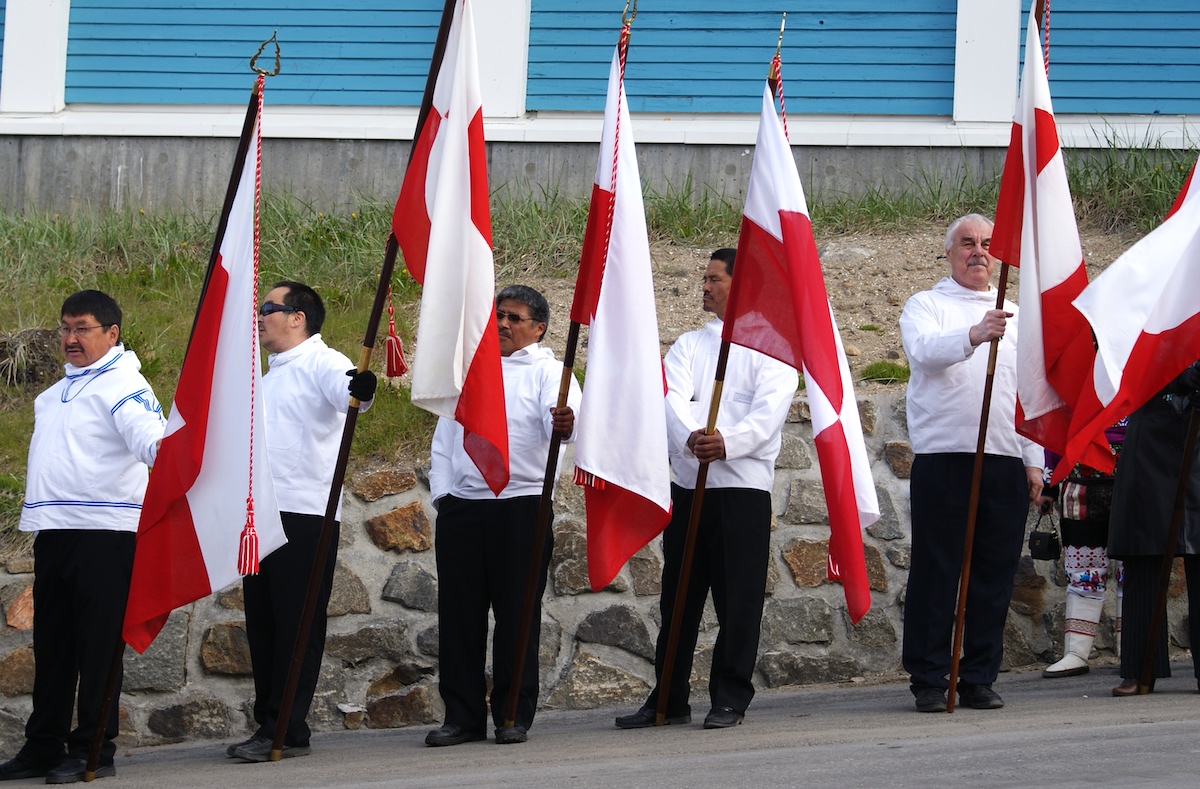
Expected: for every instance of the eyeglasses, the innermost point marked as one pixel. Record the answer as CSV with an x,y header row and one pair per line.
x,y
269,306
80,331
513,317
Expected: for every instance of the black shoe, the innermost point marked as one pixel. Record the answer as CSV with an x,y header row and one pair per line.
x,y
931,700
258,749
230,750
980,697
21,766
722,718
72,768
645,717
451,734
510,735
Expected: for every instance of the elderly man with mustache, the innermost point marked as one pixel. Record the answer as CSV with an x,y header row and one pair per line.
x,y
946,332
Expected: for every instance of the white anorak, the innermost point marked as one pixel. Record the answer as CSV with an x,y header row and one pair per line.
x,y
305,398
755,399
945,389
94,434
531,381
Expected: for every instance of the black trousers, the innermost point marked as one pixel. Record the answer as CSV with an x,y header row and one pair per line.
x,y
274,605
940,492
1141,588
80,585
732,546
483,550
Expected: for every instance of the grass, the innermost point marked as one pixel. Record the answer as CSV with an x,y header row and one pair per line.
x,y
154,264
885,372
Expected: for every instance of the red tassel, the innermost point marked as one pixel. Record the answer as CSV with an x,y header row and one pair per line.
x,y
248,547
587,479
394,353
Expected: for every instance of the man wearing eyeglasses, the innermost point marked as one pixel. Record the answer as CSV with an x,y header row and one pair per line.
x,y
305,399
483,541
95,433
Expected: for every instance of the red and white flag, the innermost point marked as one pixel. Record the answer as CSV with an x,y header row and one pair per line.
x,y
444,227
621,434
213,455
1145,312
1035,230
778,305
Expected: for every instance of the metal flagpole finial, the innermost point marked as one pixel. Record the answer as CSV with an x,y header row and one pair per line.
x,y
627,16
254,60
773,71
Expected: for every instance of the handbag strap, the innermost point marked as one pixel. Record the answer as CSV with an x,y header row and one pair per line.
x,y
1046,516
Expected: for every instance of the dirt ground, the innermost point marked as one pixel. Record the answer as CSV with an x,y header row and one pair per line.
x,y
868,278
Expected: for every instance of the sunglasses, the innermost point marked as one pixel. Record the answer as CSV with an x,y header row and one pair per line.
x,y
269,306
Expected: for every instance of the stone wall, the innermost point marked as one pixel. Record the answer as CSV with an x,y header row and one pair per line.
x,y
380,667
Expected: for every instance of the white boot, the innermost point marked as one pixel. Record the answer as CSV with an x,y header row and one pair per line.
x,y
1083,614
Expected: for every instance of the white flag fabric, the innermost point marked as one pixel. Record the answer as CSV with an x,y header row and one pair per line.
x,y
195,510
1036,231
778,305
1145,312
443,224
621,438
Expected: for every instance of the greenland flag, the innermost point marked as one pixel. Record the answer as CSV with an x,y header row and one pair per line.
x,y
778,306
621,432
195,510
1145,312
1035,230
444,227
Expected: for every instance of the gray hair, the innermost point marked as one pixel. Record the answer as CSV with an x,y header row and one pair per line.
x,y
958,223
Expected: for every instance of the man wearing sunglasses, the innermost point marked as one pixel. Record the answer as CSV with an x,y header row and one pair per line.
x,y
94,434
483,541
305,397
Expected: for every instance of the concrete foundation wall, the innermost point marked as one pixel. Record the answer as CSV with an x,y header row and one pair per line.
x,y
71,174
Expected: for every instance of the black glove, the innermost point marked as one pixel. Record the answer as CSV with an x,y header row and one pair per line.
x,y
1189,379
362,385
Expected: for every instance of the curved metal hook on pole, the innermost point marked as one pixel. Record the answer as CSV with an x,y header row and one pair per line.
x,y
626,16
254,60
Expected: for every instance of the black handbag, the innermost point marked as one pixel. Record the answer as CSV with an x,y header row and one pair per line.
x,y
1045,545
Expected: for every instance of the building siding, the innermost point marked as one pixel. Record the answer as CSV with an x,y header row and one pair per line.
x,y
855,56
1110,57
3,10
335,52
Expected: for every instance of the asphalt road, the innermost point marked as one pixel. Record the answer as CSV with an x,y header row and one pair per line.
x,y
1061,733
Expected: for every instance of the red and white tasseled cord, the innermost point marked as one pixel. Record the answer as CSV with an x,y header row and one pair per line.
x,y
248,544
394,362
777,70
1046,37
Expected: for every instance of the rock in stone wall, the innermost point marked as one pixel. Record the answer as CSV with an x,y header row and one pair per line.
x,y
381,658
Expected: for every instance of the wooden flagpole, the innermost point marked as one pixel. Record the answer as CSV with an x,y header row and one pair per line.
x,y
541,525
364,360
235,177
689,546
545,506
1146,680
689,542
977,472
973,502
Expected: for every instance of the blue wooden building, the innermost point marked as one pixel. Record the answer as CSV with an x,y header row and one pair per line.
x,y
859,74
